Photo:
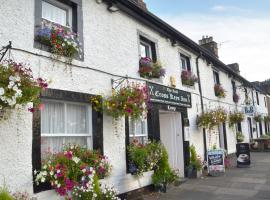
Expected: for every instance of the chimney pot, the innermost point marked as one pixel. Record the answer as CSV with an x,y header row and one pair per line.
x,y
209,44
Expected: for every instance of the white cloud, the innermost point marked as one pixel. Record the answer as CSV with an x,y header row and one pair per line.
x,y
225,8
242,40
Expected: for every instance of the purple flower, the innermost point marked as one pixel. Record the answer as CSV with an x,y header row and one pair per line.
x,y
44,32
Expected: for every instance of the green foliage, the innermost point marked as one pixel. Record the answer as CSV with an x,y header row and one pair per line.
x,y
212,118
258,118
235,118
195,160
164,174
5,194
240,136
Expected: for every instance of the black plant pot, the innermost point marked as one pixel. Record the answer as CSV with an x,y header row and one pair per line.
x,y
133,168
162,187
192,172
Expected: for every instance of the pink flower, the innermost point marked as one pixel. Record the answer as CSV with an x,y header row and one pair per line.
x,y
69,184
68,154
41,107
129,110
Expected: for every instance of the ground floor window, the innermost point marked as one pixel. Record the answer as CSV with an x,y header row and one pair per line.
x,y
65,123
138,131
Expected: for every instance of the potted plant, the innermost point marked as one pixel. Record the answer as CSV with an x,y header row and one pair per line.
x,y
266,118
219,91
131,101
212,118
236,98
236,117
149,69
195,164
60,40
74,173
188,78
258,118
240,137
18,86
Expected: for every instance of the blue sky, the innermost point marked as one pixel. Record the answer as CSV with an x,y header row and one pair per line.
x,y
240,27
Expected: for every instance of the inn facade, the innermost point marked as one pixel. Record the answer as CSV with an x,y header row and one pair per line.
x,y
113,36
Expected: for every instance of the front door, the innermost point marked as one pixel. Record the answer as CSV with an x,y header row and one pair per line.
x,y
172,138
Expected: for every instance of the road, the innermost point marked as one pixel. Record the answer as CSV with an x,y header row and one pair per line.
x,y
236,184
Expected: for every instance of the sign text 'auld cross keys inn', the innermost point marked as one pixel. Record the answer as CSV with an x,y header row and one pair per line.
x,y
169,96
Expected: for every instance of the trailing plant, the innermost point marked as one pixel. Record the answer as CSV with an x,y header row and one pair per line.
x,y
236,98
266,118
219,91
60,40
143,157
131,101
236,117
240,137
258,118
188,78
149,69
18,86
212,118
74,172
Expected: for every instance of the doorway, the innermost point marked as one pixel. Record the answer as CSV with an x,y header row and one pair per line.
x,y
171,136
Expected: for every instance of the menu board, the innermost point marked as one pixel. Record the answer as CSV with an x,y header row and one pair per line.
x,y
215,162
243,154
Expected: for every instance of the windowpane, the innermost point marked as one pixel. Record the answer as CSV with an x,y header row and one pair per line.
x,y
145,50
56,144
138,131
184,64
54,13
77,119
52,118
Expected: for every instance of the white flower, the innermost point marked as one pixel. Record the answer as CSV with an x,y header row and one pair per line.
x,y
59,185
2,91
76,160
11,84
42,180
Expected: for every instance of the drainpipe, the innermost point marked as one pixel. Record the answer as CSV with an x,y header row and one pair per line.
x,y
201,98
253,102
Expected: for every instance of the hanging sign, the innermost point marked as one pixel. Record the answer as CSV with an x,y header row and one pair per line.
x,y
243,154
249,110
169,96
215,162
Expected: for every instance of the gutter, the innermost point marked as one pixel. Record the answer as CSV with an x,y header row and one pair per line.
x,y
201,99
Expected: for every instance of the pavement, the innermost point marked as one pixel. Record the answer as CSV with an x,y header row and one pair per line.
x,y
236,184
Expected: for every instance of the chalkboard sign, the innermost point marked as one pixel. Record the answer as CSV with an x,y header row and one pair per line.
x,y
215,162
243,155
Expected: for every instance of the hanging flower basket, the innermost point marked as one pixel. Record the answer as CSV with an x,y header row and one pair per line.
x,y
236,98
212,118
267,118
240,137
258,118
188,78
236,117
148,69
131,101
18,87
219,91
60,40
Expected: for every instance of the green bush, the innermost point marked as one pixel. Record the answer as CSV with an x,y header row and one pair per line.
x,y
5,195
195,161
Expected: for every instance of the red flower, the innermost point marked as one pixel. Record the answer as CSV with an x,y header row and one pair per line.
x,y
32,110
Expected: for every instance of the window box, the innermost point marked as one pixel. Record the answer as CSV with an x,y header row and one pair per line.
x,y
188,78
236,98
219,91
149,69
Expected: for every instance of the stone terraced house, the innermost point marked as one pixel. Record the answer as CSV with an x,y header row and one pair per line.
x,y
114,35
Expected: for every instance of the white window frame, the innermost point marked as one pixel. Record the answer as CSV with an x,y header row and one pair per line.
x,y
62,6
89,135
216,80
133,134
184,58
142,43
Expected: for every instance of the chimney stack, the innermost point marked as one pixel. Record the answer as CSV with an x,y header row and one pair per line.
x,y
209,44
234,67
141,4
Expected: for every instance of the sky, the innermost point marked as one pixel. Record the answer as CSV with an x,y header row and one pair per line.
x,y
240,27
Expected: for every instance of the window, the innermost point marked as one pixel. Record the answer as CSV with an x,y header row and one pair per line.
x,y
257,97
265,102
65,123
185,62
57,12
147,49
234,87
138,131
216,78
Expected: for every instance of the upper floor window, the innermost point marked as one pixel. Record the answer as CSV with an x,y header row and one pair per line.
x,y
216,78
147,49
257,97
185,62
233,87
57,12
138,131
65,123
265,102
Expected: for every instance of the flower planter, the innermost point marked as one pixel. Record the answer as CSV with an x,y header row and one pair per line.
x,y
191,172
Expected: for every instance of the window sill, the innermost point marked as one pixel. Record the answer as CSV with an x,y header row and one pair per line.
x,y
189,86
